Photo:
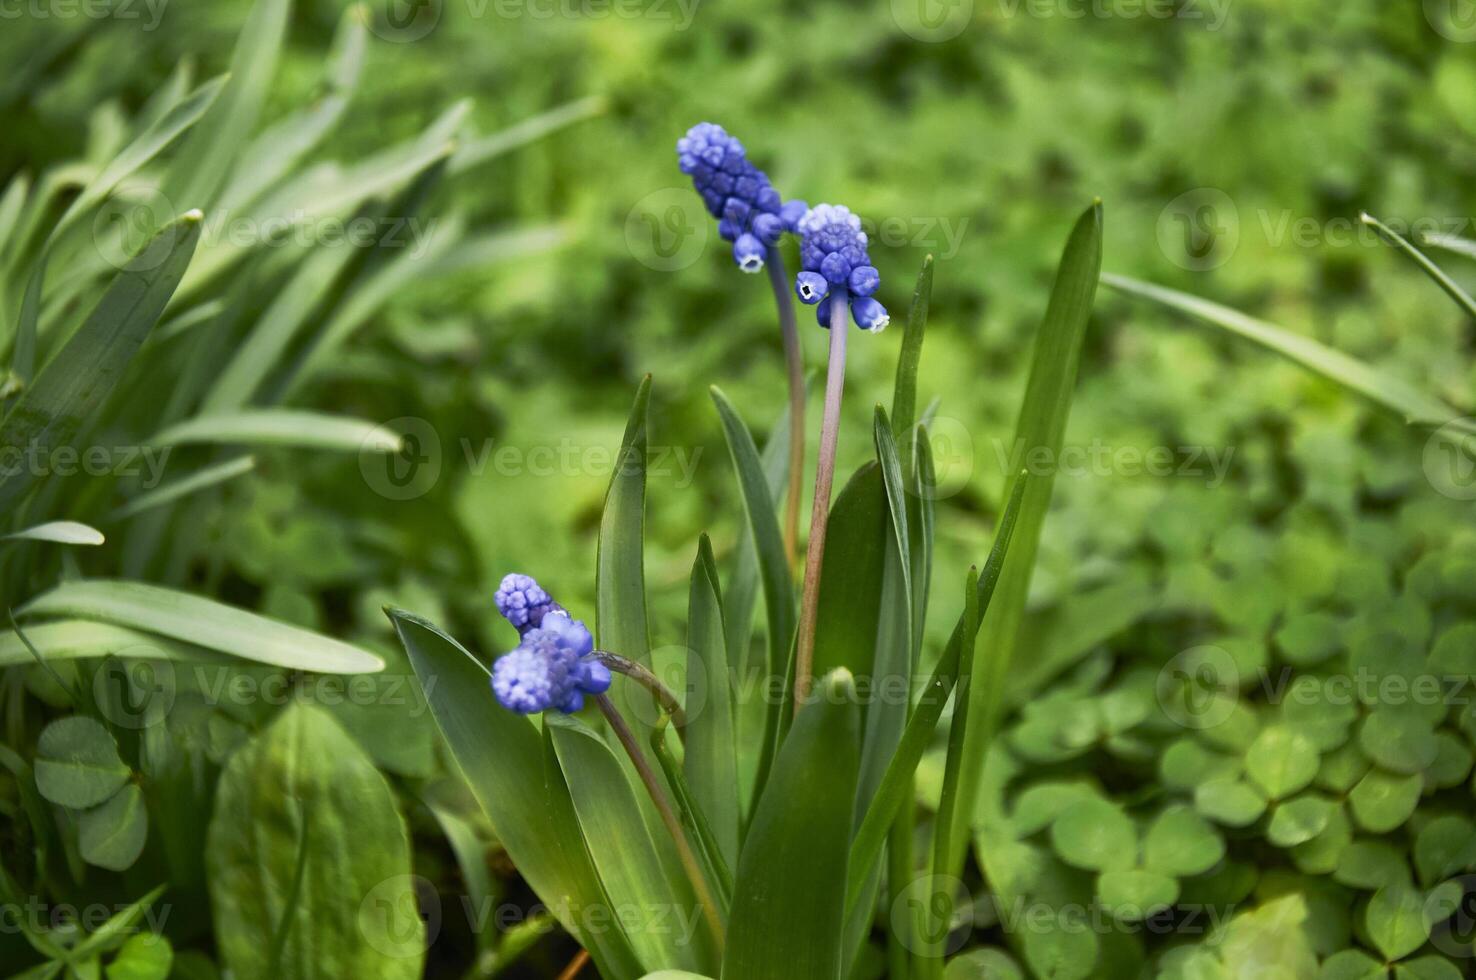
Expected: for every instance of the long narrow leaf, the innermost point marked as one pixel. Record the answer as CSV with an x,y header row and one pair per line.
x,y
778,588
82,639
281,427
202,622
711,762
626,854
149,144
284,144
503,759
904,395
1041,425
788,912
478,151
1399,396
620,578
207,158
867,846
210,476
75,382
59,532
1436,274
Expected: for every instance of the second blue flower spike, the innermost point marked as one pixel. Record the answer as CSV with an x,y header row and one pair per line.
x,y
749,210
833,255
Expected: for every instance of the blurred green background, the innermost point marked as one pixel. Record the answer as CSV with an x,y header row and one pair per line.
x,y
1233,144
974,132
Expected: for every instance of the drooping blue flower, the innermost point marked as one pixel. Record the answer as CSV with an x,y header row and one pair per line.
x,y
554,666
523,602
833,254
749,210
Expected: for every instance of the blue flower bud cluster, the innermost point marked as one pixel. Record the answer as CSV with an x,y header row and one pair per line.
x,y
749,210
833,255
554,664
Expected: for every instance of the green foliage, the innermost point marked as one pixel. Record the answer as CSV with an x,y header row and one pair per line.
x,y
1181,649
302,819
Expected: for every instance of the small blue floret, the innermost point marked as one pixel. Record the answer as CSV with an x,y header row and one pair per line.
x,y
810,287
523,602
833,255
748,252
869,314
864,280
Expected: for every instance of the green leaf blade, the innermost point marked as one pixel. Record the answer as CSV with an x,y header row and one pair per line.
x,y
788,901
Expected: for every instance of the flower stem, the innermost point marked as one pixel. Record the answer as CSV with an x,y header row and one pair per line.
x,y
668,816
835,382
642,675
795,359
575,965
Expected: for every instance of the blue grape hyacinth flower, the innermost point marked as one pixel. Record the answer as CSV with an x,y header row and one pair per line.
x,y
523,602
553,667
749,210
833,255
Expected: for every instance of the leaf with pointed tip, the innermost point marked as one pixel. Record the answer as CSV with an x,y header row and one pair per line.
x,y
282,427
204,479
1436,274
620,577
71,387
517,781
711,761
897,781
630,860
202,622
59,532
1042,424
1399,396
475,152
175,121
904,394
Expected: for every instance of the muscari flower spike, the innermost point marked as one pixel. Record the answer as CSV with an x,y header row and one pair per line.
x,y
833,254
523,602
553,666
749,210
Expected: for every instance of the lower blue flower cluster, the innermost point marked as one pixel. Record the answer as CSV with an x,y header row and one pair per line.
x,y
554,665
